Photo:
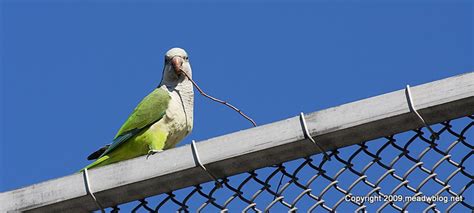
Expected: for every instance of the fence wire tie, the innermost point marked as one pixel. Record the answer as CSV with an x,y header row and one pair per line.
x,y
197,160
308,136
434,135
85,174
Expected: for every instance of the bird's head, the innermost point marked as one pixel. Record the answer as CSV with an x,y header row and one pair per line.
x,y
176,62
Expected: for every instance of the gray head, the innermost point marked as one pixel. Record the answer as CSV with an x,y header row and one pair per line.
x,y
176,62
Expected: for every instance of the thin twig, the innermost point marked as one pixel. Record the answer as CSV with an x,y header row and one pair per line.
x,y
220,101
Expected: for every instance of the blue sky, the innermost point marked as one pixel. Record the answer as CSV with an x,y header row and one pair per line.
x,y
71,72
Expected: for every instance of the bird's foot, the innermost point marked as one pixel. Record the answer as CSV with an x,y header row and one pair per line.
x,y
152,152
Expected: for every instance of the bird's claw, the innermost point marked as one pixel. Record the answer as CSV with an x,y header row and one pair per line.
x,y
152,152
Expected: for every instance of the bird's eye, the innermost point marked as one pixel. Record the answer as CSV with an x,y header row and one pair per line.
x,y
185,58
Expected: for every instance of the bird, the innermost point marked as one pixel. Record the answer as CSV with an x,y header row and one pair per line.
x,y
160,121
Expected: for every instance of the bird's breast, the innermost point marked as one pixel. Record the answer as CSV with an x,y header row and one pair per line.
x,y
178,118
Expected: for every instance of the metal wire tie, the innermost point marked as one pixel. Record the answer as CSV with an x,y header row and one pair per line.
x,y
85,175
434,135
197,160
308,136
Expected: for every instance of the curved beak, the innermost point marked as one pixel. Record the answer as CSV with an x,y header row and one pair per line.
x,y
177,63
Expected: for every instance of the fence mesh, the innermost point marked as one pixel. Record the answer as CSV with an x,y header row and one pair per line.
x,y
407,171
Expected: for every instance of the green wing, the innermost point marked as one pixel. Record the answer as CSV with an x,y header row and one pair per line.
x,y
150,110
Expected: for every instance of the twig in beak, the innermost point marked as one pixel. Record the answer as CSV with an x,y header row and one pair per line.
x,y
219,101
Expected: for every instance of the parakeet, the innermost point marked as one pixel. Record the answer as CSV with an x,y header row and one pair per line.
x,y
160,121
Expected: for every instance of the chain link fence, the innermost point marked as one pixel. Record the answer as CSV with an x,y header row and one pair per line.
x,y
409,171
383,163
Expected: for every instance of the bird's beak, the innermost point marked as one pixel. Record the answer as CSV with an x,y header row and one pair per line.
x,y
177,63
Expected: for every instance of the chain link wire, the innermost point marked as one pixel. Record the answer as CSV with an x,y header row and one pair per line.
x,y
403,172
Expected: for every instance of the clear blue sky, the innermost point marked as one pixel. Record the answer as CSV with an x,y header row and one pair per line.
x,y
71,72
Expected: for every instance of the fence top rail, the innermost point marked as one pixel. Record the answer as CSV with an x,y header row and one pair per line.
x,y
249,149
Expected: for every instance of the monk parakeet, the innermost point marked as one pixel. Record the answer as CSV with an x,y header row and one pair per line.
x,y
161,120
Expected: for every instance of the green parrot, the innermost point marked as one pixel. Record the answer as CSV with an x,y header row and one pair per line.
x,y
160,121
